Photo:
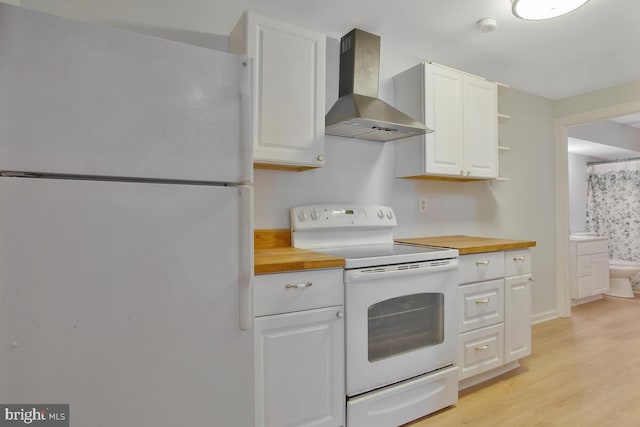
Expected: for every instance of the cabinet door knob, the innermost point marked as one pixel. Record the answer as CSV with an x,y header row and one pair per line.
x,y
531,279
320,158
298,285
340,314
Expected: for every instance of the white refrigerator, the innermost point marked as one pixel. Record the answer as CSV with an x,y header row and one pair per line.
x,y
126,231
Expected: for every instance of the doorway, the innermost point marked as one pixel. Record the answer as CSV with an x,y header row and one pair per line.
x,y
562,125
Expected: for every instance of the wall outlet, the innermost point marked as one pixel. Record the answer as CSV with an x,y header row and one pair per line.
x,y
422,205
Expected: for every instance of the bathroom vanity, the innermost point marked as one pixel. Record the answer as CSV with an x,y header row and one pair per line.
x,y
588,267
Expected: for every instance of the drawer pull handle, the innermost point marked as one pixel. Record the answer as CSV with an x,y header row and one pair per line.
x,y
518,258
482,301
298,285
482,262
482,347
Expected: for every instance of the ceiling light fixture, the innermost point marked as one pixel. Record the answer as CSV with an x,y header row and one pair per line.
x,y
536,10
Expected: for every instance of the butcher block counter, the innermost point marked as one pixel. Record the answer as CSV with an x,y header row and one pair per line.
x,y
470,244
273,254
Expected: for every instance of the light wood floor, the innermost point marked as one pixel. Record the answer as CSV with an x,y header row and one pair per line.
x,y
584,371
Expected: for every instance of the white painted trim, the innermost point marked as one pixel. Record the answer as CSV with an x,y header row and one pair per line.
x,y
544,317
562,190
575,302
485,376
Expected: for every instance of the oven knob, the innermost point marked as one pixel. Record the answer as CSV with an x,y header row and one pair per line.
x,y
315,214
340,314
303,216
389,215
380,214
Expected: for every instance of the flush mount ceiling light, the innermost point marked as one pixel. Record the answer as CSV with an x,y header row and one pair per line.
x,y
536,10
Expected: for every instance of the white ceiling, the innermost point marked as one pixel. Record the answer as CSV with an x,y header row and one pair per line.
x,y
599,151
592,48
629,120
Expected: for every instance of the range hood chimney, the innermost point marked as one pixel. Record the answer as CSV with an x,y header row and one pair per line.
x,y
358,113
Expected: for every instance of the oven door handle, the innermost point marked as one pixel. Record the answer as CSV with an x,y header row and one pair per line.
x,y
374,273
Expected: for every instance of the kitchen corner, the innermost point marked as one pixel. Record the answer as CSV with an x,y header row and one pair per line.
x,y
307,294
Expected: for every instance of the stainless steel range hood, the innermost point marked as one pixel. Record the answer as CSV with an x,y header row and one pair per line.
x,y
358,113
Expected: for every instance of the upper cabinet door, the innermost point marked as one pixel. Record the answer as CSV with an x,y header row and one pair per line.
x,y
288,91
462,110
480,127
444,113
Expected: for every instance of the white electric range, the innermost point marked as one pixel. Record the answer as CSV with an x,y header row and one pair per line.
x,y
400,312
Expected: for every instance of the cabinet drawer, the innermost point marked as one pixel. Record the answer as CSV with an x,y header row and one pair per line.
x,y
277,293
517,263
584,265
481,350
480,304
480,267
592,247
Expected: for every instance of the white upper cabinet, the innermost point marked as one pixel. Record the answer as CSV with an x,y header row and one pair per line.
x,y
461,109
288,91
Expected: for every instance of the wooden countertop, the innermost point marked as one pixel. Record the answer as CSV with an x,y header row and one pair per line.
x,y
470,244
284,259
273,254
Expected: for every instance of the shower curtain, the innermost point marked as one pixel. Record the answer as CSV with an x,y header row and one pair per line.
x,y
613,208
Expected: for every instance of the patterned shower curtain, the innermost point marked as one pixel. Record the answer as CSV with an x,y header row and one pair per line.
x,y
613,208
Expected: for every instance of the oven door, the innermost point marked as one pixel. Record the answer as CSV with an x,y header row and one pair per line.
x,y
401,321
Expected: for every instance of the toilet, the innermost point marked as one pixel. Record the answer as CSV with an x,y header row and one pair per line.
x,y
620,273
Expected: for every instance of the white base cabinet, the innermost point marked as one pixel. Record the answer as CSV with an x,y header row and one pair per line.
x,y
461,109
288,91
517,325
299,355
588,267
494,300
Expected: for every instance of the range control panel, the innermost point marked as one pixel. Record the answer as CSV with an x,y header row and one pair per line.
x,y
317,217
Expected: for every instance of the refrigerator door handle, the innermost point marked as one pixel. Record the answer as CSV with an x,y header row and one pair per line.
x,y
246,257
246,147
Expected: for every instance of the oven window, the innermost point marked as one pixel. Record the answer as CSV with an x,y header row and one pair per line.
x,y
405,323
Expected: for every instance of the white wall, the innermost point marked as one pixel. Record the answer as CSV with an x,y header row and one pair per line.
x,y
578,191
612,98
362,171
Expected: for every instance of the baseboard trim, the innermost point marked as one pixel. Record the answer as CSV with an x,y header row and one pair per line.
x,y
544,317
480,378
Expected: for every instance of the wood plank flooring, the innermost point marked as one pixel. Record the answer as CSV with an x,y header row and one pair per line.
x,y
584,371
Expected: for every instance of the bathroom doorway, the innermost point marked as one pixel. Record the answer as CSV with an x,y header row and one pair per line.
x,y
597,142
563,208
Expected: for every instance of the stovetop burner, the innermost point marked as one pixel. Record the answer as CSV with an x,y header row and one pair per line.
x,y
385,254
362,234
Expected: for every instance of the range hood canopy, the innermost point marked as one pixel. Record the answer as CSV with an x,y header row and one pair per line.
x,y
359,113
